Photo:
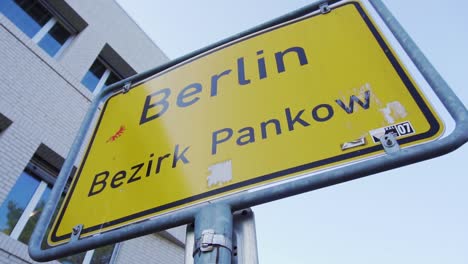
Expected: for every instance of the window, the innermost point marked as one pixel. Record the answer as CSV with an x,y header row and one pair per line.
x,y
55,39
5,122
99,75
23,206
108,68
38,23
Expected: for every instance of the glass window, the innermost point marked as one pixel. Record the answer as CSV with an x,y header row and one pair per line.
x,y
5,122
112,79
28,15
102,255
94,74
98,76
53,41
22,208
37,23
74,259
34,217
16,201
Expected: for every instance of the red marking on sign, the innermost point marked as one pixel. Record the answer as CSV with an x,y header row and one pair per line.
x,y
117,134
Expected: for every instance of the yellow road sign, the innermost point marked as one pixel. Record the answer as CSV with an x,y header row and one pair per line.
x,y
311,94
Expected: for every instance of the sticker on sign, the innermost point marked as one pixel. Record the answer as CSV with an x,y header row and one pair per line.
x,y
310,94
398,130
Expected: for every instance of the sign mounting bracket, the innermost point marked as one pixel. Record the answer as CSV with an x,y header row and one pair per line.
x,y
390,143
76,232
325,8
209,239
126,87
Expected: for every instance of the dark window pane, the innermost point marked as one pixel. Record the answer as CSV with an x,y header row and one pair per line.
x,y
16,202
94,74
44,244
75,259
54,39
102,255
90,81
34,217
113,78
27,15
98,68
5,122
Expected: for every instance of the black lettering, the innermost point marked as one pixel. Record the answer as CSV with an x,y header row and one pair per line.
x,y
118,177
97,181
279,56
215,141
160,159
150,165
350,108
329,110
261,66
148,105
188,91
214,82
134,177
263,126
241,72
250,136
297,119
176,157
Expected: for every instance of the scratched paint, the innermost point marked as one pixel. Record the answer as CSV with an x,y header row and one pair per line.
x,y
393,111
221,173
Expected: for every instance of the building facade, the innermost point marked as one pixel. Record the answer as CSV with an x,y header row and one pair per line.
x,y
55,56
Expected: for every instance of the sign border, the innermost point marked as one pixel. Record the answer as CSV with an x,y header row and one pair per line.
x,y
451,142
392,58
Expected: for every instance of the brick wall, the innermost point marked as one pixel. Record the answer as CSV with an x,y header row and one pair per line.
x,y
45,101
143,250
13,252
44,105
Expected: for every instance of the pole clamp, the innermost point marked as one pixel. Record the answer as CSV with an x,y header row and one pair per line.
x,y
76,232
209,240
390,143
126,87
324,8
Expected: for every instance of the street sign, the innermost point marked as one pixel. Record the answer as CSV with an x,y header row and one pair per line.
x,y
311,94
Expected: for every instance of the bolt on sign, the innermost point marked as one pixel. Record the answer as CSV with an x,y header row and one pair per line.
x,y
310,94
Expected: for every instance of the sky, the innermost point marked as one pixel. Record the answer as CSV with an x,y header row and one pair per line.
x,y
413,214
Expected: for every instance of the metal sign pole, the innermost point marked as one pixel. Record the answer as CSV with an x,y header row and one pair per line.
x,y
213,235
244,240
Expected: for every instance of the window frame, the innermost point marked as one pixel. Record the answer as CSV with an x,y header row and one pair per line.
x,y
44,30
36,171
28,210
5,122
43,173
102,81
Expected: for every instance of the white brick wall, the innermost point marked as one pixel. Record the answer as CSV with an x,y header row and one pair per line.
x,y
150,249
43,105
108,23
13,252
45,100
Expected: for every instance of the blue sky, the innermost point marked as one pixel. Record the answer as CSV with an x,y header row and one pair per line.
x,y
414,214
